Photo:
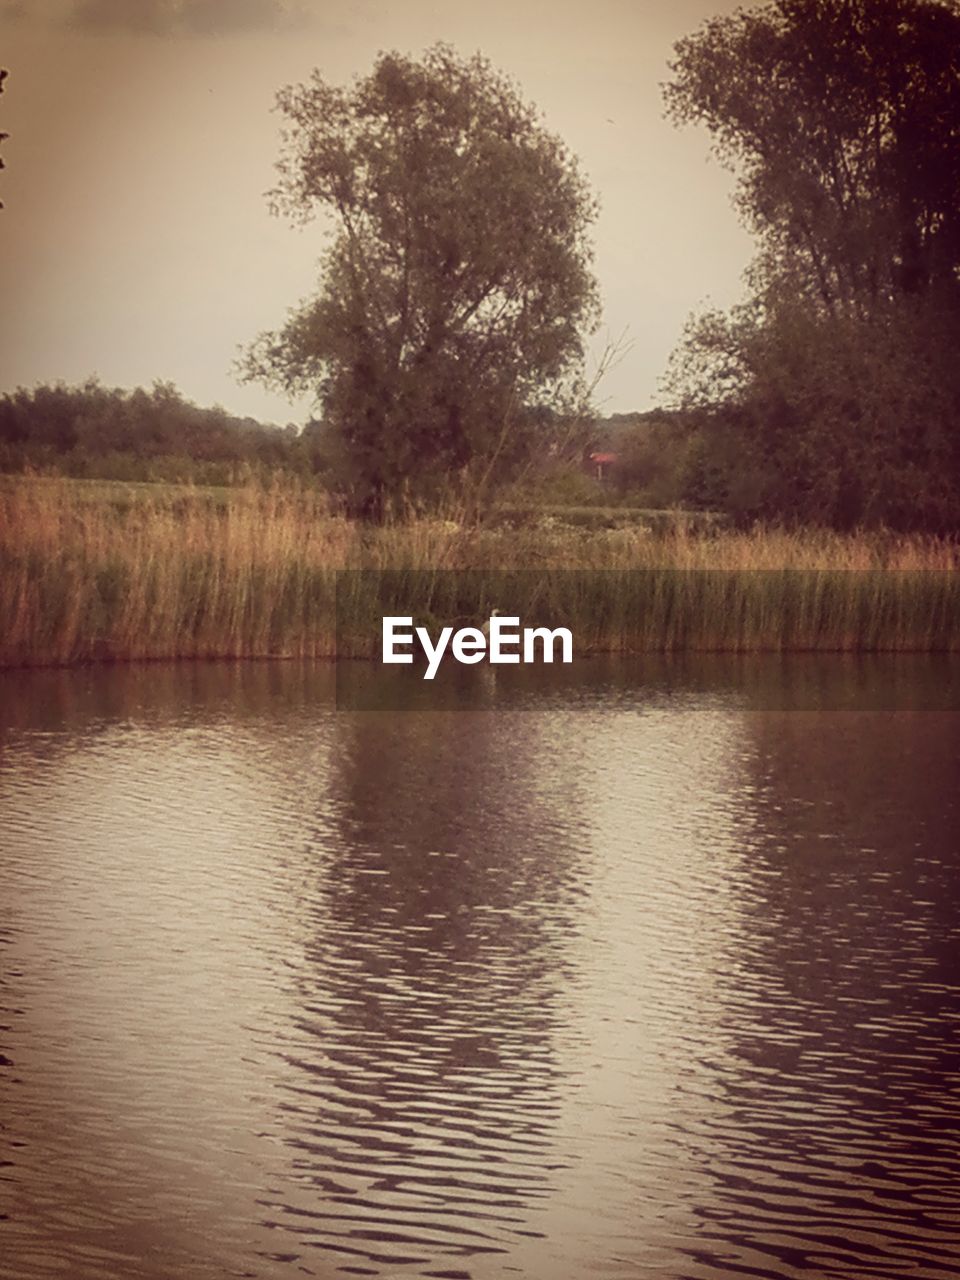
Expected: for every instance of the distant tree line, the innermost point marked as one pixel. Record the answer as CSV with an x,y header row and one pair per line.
x,y
97,431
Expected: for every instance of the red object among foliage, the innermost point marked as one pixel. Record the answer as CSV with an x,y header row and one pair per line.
x,y
602,461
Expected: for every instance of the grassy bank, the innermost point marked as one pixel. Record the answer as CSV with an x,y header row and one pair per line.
x,y
92,571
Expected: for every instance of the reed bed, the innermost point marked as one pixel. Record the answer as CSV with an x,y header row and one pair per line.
x,y
149,572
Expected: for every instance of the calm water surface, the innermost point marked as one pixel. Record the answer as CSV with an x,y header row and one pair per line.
x,y
621,982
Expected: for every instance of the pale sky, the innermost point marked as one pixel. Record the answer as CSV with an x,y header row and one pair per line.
x,y
136,244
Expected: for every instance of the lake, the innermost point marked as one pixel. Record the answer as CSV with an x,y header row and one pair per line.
x,y
652,972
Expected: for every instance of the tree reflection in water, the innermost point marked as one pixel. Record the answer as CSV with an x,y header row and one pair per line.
x,y
426,1093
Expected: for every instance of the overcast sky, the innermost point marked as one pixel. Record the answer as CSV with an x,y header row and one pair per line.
x,y
136,244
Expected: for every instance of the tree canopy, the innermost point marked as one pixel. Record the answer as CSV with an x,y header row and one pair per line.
x,y
456,290
835,392
843,121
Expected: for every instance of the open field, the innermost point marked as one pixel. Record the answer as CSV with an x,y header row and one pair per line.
x,y
92,570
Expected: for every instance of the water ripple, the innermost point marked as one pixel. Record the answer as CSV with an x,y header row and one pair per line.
x,y
631,988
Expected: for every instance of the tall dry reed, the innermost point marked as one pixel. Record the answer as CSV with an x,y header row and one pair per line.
x,y
91,571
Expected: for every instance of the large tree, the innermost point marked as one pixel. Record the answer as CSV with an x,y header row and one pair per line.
x,y
835,391
842,118
456,290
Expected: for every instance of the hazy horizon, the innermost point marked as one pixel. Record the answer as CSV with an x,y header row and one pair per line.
x,y
136,243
